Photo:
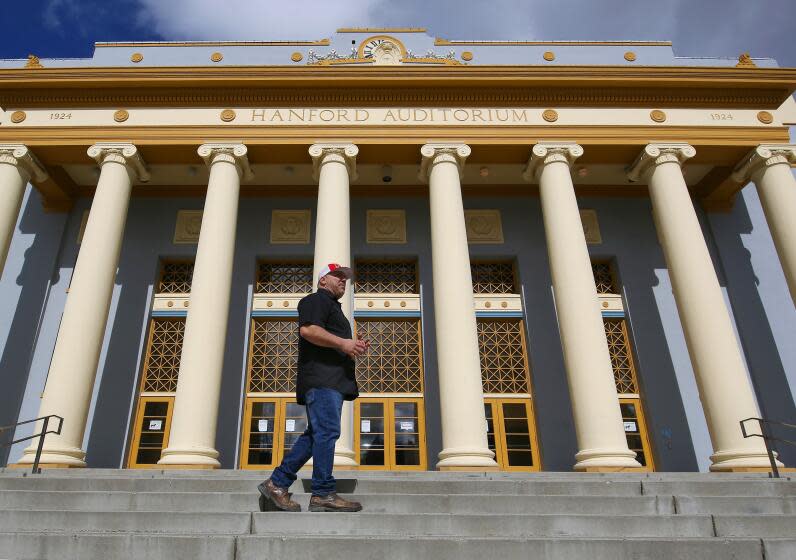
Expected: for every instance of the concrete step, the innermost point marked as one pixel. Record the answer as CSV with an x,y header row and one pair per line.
x,y
728,505
168,547
781,526
391,503
86,546
713,487
152,522
558,548
365,486
497,525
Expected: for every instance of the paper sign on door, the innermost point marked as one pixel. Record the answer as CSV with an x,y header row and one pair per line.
x,y
156,425
630,427
290,425
407,426
262,425
365,426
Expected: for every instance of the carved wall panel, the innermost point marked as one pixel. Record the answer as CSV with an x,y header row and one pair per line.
x,y
290,226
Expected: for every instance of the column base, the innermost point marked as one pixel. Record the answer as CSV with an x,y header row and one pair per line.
x,y
614,459
193,458
466,458
734,461
613,469
343,457
64,457
44,466
760,469
469,469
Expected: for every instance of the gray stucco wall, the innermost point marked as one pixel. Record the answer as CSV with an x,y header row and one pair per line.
x,y
44,251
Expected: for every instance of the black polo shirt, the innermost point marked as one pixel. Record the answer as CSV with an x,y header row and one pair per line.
x,y
324,367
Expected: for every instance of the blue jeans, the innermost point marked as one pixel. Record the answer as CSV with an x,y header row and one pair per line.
x,y
324,407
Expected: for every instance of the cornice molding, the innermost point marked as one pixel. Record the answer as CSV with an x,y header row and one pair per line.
x,y
372,85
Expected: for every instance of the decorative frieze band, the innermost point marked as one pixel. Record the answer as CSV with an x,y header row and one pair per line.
x,y
20,156
763,156
656,154
125,154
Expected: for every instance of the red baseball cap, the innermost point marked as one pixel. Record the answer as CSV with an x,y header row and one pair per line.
x,y
339,269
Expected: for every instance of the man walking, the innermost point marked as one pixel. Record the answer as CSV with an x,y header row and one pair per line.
x,y
325,379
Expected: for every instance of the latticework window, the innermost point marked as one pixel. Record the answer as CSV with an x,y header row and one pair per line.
x,y
175,277
503,361
273,356
386,277
162,364
284,278
604,278
621,358
393,364
493,278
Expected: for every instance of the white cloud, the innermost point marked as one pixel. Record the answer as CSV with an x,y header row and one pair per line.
x,y
254,19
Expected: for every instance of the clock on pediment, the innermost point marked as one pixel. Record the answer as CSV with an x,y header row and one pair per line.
x,y
382,49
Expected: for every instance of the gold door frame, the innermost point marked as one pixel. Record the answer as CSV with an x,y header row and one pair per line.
x,y
137,431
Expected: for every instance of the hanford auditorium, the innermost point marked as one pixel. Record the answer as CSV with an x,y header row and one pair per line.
x,y
568,255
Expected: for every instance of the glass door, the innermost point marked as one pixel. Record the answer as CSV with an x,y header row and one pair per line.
x,y
270,428
511,435
151,435
390,433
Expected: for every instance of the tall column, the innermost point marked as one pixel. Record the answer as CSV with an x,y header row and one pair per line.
x,y
192,438
602,445
724,387
334,168
464,441
73,368
769,167
17,166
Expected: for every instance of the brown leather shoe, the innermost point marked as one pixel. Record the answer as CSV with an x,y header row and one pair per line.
x,y
333,502
280,497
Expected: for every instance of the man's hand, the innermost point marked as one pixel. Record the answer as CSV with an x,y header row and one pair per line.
x,y
354,348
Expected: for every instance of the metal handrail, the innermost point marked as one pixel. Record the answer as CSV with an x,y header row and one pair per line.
x,y
40,435
768,438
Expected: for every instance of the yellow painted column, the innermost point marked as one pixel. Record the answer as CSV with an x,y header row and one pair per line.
x,y
724,387
769,167
602,445
464,437
73,368
17,166
193,424
334,168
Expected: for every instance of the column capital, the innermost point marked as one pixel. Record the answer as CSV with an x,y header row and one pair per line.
x,y
655,154
20,156
126,154
549,152
344,153
763,156
437,153
236,154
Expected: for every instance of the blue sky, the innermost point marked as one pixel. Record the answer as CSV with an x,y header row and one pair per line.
x,y
69,28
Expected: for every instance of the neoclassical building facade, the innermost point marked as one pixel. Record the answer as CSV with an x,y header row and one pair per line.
x,y
568,255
